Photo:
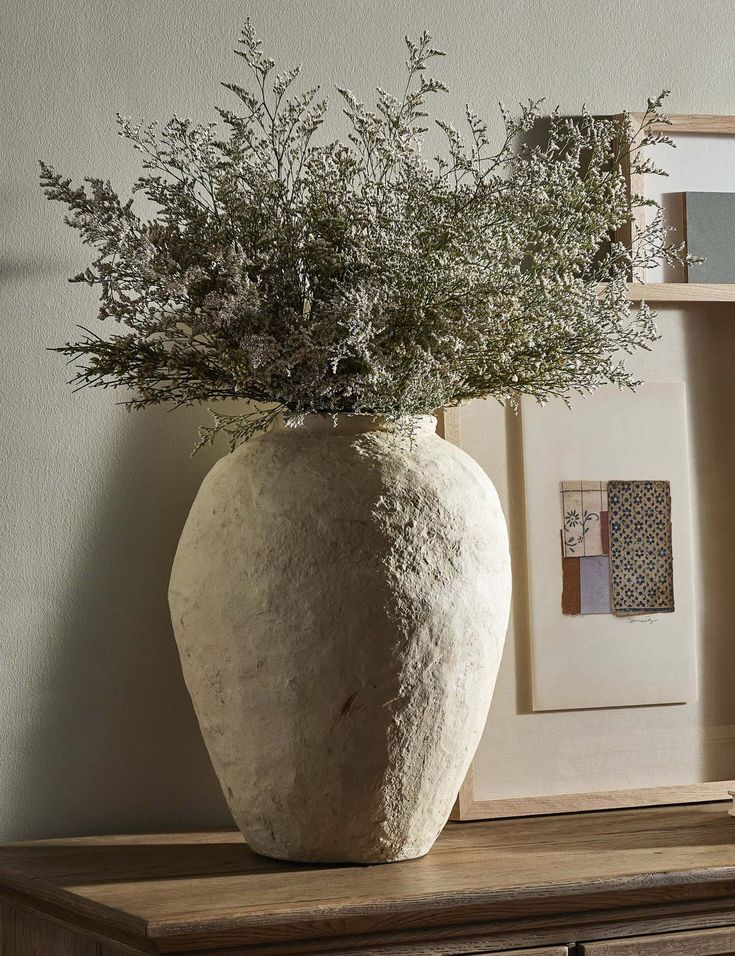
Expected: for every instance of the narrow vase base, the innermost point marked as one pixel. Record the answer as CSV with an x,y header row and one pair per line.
x,y
347,858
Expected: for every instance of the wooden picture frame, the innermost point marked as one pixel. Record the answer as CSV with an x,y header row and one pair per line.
x,y
639,289
468,807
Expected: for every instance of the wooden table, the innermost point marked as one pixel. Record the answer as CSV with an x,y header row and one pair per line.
x,y
660,882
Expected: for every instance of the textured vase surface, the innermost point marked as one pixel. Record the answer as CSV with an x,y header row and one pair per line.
x,y
340,598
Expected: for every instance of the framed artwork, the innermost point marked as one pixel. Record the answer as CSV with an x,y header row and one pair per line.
x,y
604,700
698,199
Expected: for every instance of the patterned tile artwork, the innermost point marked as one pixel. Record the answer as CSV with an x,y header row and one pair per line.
x,y
616,547
641,566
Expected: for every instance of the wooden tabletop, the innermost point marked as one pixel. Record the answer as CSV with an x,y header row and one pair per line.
x,y
200,892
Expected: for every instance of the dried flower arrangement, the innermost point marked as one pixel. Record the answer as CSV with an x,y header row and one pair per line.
x,y
356,276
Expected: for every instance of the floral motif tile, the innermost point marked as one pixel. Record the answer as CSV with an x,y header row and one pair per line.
x,y
641,558
584,518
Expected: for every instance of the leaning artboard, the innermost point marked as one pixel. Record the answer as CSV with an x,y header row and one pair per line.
x,y
533,761
702,162
698,162
599,659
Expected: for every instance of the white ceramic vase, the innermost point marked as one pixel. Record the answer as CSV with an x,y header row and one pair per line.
x,y
340,599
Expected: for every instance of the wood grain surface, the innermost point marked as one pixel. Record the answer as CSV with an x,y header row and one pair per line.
x,y
712,123
23,933
546,951
681,292
35,937
525,881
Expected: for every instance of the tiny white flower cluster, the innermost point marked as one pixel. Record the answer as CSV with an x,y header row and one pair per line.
x,y
357,277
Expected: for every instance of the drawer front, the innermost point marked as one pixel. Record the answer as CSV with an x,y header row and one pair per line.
x,y
703,942
544,951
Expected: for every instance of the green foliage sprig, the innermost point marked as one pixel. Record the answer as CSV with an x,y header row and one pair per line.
x,y
358,276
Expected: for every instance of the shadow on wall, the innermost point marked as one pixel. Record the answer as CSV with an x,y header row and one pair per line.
x,y
110,741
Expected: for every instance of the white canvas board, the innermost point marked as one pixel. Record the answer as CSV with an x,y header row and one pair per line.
x,y
698,162
599,660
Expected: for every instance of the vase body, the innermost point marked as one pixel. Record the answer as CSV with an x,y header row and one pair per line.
x,y
340,598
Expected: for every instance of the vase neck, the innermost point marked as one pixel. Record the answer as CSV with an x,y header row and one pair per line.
x,y
359,424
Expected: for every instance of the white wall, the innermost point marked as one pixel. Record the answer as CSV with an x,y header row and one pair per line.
x,y
96,731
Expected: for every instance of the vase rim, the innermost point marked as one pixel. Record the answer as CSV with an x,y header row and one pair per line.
x,y
354,424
